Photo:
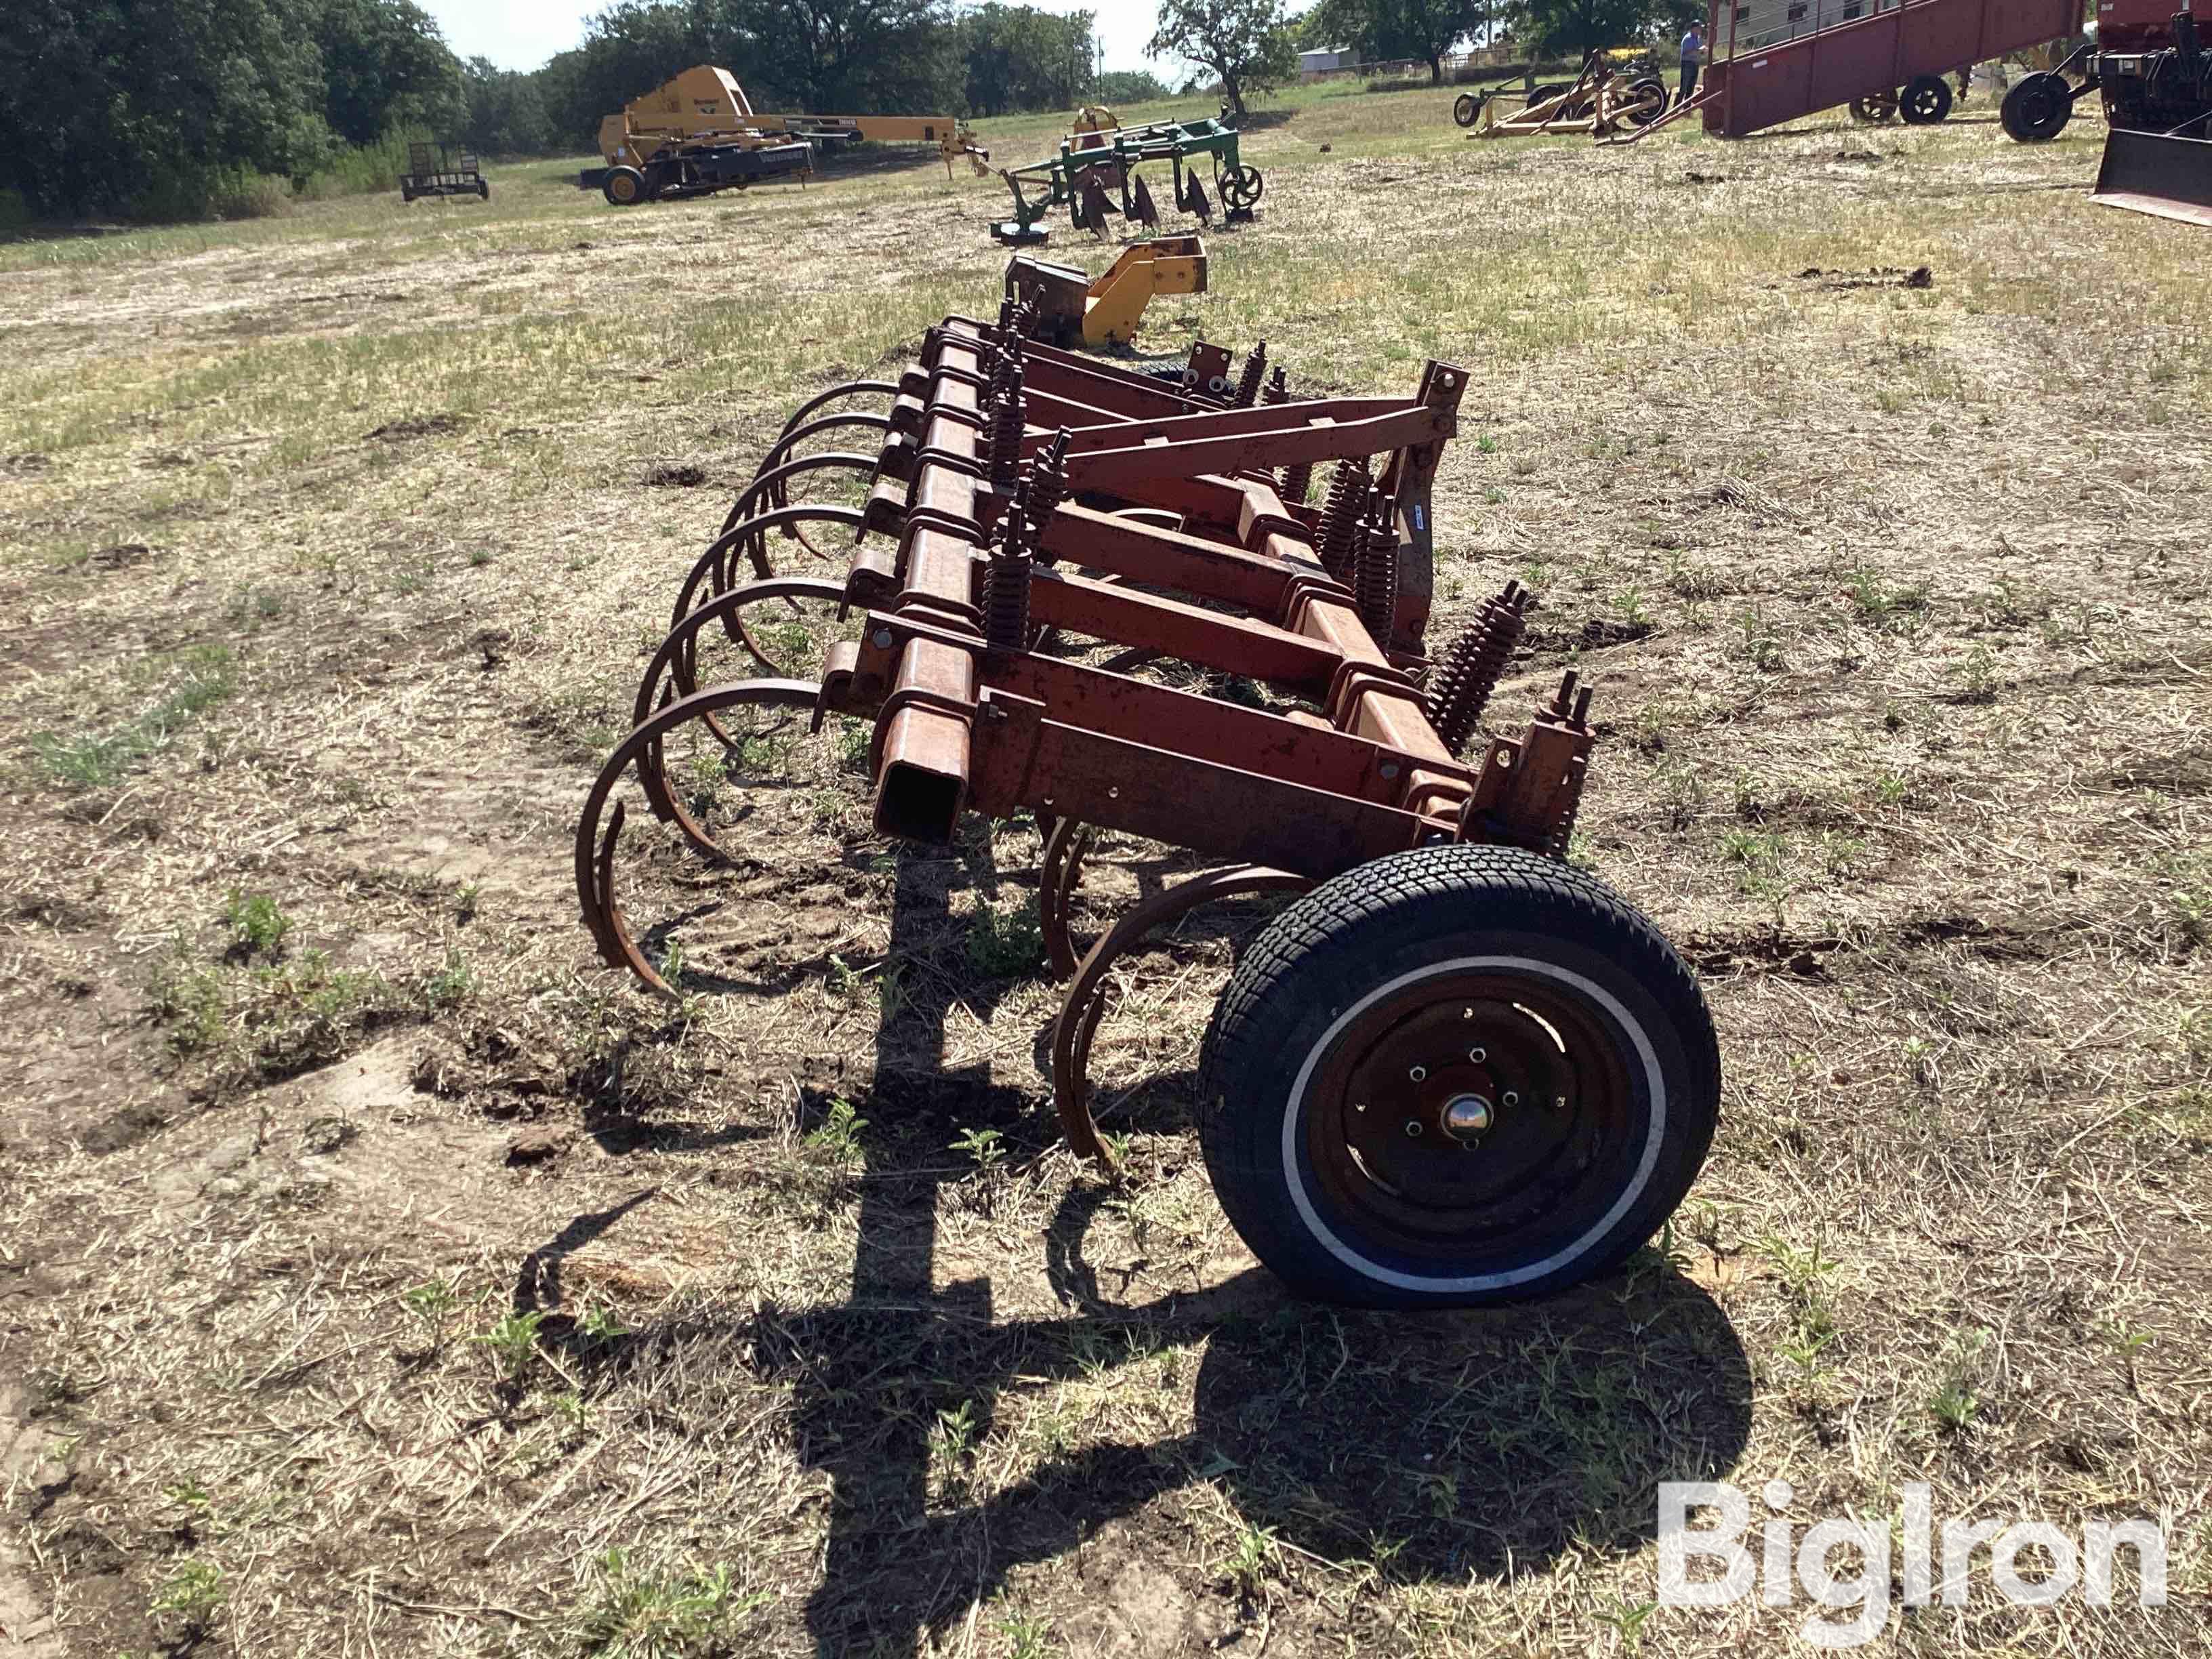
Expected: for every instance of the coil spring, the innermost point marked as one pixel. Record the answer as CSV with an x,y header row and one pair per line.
x,y
1248,381
1472,666
1339,517
1046,486
1006,599
1375,573
1007,426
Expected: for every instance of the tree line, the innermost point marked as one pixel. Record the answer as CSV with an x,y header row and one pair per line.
x,y
1428,30
181,108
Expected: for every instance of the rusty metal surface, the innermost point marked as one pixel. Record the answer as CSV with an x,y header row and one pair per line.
x,y
1086,1001
1027,502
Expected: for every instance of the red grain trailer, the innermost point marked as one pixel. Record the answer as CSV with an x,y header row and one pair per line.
x,y
1774,61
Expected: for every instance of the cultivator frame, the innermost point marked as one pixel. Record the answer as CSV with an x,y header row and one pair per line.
x,y
1095,174
1604,99
1022,497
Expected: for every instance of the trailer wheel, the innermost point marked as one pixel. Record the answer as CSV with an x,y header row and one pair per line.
x,y
2036,110
1455,1075
1465,108
1545,94
623,186
483,190
1646,101
1926,101
1242,186
1875,107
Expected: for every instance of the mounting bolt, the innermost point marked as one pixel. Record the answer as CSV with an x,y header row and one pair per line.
x,y
1509,1098
1478,1056
1412,1128
1419,1074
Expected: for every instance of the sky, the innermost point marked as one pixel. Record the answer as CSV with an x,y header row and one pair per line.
x,y
521,34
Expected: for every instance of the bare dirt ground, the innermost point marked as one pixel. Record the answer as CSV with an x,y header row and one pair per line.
x,y
378,1274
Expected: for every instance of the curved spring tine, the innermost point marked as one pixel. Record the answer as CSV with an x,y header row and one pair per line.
x,y
751,531
1058,872
847,389
595,857
1086,1001
677,656
708,569
776,457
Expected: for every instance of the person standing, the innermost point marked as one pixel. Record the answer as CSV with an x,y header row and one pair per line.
x,y
1693,46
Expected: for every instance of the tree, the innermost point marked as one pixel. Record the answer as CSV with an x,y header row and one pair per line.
x,y
147,107
506,111
1384,31
385,66
1016,58
1118,87
1574,28
1247,44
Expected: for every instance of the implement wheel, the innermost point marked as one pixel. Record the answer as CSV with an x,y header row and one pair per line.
x,y
2037,110
1875,107
1465,109
1241,187
623,186
1926,101
1457,1075
1645,102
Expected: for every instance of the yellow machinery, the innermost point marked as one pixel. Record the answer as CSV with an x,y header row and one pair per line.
x,y
698,134
1070,308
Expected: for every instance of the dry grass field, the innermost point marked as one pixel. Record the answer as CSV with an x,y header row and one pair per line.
x,y
380,1275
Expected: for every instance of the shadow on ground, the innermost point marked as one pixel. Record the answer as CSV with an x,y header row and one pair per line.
x,y
1431,1447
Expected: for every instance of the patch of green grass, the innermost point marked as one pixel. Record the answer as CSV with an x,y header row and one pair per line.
x,y
99,761
837,1137
1006,944
986,1146
192,1594
513,1339
256,926
683,1613
1891,609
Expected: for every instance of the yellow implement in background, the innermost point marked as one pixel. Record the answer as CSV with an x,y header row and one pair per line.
x,y
1074,309
705,108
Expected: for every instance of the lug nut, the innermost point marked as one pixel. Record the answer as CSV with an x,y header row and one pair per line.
x,y
1419,1074
1477,1056
1412,1128
1509,1098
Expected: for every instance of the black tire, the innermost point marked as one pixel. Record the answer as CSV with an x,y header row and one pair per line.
x,y
2036,110
1926,100
1465,109
1648,100
1575,998
1874,108
624,187
1252,184
484,189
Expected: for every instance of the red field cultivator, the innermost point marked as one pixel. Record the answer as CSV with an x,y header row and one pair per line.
x,y
1453,1068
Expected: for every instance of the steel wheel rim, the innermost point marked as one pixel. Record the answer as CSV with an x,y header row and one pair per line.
x,y
1529,1183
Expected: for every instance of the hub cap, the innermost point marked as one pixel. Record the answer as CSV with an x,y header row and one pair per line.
x,y
1476,1114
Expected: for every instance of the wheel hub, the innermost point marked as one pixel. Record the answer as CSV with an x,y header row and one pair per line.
x,y
1465,1113
1467,1117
